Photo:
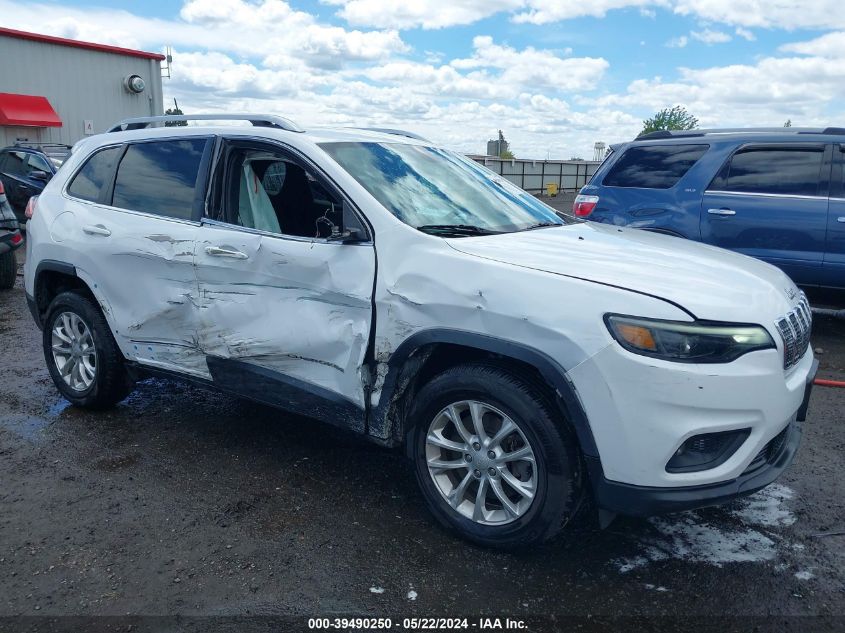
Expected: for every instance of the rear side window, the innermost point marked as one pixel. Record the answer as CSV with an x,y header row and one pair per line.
x,y
653,166
780,171
94,175
160,177
14,163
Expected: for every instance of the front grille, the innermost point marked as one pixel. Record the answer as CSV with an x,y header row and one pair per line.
x,y
794,329
770,451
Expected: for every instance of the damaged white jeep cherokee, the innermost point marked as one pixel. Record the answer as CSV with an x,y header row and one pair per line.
x,y
380,283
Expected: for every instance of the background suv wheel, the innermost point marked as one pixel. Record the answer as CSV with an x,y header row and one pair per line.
x,y
493,458
84,361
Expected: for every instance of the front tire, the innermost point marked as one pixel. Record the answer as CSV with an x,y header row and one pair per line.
x,y
494,460
8,270
82,356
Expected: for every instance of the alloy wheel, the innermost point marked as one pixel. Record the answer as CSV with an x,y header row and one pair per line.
x,y
481,462
73,351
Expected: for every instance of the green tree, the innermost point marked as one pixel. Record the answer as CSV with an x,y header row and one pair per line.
x,y
175,110
788,123
507,154
676,118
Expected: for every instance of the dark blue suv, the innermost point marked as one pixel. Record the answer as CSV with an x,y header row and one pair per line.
x,y
776,194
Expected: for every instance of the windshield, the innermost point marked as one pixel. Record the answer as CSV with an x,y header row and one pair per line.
x,y
440,191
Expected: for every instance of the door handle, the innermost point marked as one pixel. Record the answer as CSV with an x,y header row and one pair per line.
x,y
216,251
721,211
841,220
96,229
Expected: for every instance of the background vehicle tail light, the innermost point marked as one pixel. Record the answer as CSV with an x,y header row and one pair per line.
x,y
2,189
17,238
30,207
584,205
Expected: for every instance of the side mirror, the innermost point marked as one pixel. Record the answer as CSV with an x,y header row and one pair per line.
x,y
37,174
352,230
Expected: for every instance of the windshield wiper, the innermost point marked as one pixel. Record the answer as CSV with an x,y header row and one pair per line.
x,y
542,225
456,229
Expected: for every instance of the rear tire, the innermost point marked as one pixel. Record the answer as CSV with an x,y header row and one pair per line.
x,y
8,270
82,356
514,483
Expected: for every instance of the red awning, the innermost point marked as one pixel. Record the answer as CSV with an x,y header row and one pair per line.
x,y
27,110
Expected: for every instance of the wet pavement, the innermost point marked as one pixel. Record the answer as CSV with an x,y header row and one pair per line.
x,y
183,501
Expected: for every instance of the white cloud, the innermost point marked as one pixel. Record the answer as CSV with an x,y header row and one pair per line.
x,y
533,67
545,12
830,45
432,14
678,42
428,14
786,14
709,36
745,34
263,28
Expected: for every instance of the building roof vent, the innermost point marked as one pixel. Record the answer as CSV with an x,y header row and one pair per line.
x,y
134,84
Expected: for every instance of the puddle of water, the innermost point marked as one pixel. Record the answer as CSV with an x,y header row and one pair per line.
x,y
58,408
28,427
690,537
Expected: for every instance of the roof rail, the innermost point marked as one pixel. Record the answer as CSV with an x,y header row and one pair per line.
x,y
39,146
387,130
657,134
258,120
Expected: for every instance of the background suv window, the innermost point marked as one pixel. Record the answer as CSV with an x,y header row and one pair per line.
x,y
780,171
14,163
160,177
653,166
37,163
89,181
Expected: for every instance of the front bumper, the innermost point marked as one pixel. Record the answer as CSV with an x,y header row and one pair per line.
x,y
649,501
633,500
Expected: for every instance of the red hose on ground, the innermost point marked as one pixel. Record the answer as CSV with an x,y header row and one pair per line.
x,y
821,382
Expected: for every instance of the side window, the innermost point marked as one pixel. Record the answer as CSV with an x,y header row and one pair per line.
x,y
653,166
270,192
94,175
38,163
15,163
160,177
780,171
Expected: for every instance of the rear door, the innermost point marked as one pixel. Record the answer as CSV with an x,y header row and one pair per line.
x,y
133,212
834,259
285,313
13,172
770,201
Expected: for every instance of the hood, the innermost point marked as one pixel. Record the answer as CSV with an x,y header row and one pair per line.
x,y
710,283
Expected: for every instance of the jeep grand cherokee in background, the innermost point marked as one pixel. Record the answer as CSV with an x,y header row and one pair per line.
x,y
776,194
384,284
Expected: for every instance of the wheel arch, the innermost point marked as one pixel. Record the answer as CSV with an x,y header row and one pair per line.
x,y
430,351
51,278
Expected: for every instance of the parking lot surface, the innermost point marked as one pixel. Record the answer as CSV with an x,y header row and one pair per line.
x,y
182,501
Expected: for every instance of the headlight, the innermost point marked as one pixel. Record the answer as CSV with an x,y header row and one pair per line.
x,y
687,342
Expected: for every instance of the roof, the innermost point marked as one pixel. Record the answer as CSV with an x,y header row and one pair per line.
x,y
266,123
27,111
91,46
792,133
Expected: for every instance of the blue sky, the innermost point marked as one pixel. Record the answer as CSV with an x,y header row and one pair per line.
x,y
554,75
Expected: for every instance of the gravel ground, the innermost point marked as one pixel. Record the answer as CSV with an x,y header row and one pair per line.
x,y
190,503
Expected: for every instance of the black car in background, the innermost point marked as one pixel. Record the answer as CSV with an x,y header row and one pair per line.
x,y
26,168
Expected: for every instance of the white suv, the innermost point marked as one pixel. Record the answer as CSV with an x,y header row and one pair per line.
x,y
375,281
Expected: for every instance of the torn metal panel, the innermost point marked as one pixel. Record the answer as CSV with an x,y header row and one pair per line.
x,y
143,267
424,283
296,307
